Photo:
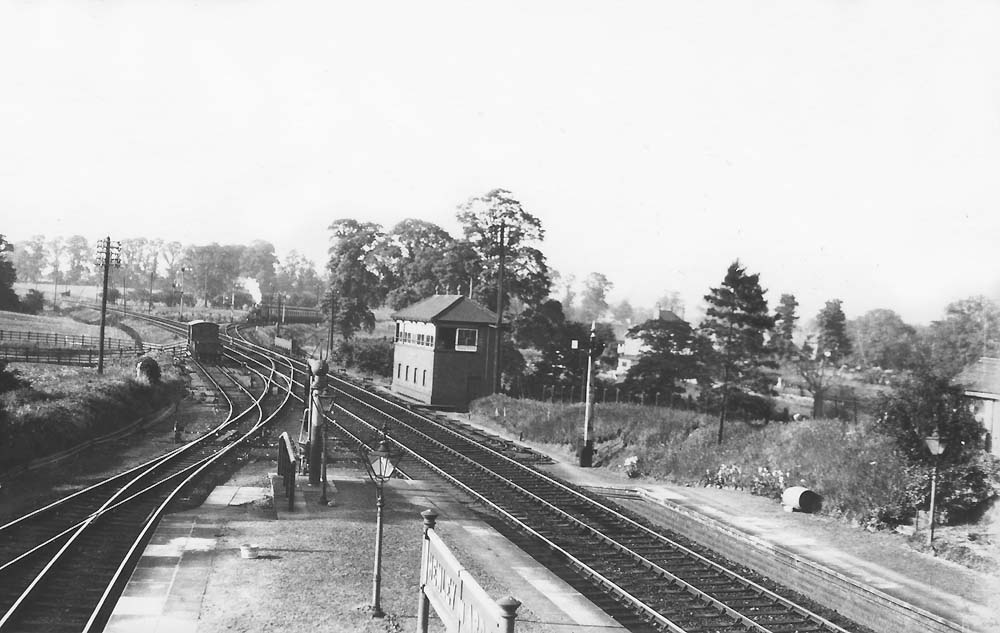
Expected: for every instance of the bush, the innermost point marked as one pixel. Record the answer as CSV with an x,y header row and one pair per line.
x,y
33,302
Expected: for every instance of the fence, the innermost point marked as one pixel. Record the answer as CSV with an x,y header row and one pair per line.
x,y
49,339
844,407
287,467
62,356
569,394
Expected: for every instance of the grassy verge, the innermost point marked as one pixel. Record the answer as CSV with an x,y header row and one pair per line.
x,y
855,469
65,406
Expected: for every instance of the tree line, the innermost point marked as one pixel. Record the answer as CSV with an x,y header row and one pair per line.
x,y
735,355
155,270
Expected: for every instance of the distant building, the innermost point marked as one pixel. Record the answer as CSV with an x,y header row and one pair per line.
x,y
444,351
981,382
630,348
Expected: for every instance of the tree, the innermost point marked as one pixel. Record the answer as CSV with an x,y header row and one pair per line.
x,y
672,351
172,254
925,403
416,251
623,312
594,302
8,275
565,284
969,330
55,249
832,325
297,277
79,254
785,317
671,300
259,263
356,275
881,338
28,258
213,270
816,370
526,273
736,322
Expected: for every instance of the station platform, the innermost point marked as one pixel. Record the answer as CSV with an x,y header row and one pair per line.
x,y
314,564
313,569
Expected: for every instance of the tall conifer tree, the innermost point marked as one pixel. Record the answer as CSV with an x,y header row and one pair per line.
x,y
736,323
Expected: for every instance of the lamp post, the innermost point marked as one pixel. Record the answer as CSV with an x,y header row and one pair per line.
x,y
936,446
380,463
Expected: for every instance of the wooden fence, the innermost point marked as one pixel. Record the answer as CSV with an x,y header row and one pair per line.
x,y
49,340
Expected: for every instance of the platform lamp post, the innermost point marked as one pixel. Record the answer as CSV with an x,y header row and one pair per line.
x,y
936,446
380,464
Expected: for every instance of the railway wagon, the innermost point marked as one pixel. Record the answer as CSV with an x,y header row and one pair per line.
x,y
264,313
203,341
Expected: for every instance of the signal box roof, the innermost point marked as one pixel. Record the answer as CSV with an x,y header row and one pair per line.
x,y
446,309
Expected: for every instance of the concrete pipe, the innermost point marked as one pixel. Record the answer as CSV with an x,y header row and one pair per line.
x,y
800,499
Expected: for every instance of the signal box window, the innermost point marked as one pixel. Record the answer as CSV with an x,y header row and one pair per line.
x,y
466,340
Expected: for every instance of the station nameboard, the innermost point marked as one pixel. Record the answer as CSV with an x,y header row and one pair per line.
x,y
462,605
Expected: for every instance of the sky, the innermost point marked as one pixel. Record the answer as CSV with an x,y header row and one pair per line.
x,y
842,149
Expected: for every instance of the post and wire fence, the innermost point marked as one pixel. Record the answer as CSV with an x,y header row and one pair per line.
x,y
842,406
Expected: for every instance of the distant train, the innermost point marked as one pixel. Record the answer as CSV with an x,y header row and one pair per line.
x,y
264,313
203,341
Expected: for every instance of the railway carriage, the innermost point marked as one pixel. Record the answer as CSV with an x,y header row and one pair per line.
x,y
264,313
203,341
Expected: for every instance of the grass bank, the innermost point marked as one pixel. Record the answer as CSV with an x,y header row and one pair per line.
x,y
857,470
62,407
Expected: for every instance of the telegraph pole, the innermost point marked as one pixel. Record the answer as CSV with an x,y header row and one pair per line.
x,y
496,357
108,255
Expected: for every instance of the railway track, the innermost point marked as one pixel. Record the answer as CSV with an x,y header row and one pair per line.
x,y
648,579
64,565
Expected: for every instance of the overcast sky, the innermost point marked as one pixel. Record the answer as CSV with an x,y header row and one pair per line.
x,y
841,149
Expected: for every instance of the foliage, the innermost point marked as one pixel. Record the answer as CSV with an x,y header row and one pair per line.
x,y
8,298
41,422
832,337
10,379
594,301
672,352
881,338
259,262
526,270
373,356
148,369
358,275
784,331
735,324
423,260
921,404
33,302
967,478
969,330
29,258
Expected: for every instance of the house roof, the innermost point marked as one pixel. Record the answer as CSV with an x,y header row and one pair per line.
x,y
982,376
446,309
